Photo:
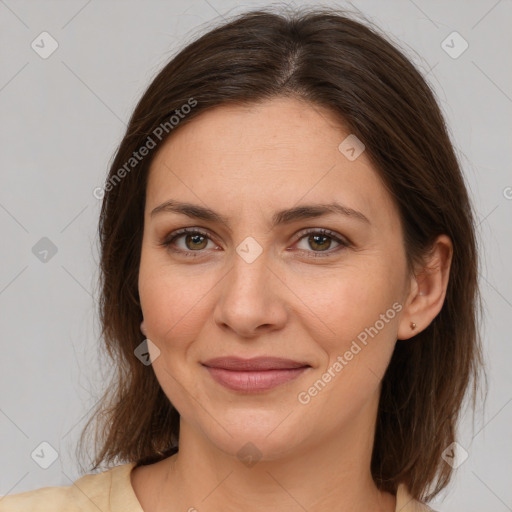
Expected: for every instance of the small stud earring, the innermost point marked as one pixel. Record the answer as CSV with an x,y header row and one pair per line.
x,y
413,326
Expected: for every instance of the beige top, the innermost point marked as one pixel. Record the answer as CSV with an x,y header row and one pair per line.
x,y
112,491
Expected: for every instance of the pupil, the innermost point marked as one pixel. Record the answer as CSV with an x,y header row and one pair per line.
x,y
316,237
195,239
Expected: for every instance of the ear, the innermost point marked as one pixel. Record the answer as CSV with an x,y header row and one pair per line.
x,y
143,328
427,289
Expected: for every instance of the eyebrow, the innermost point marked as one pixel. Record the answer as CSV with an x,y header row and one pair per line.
x,y
281,217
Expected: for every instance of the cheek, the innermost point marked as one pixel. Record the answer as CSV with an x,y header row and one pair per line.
x,y
171,309
171,301
361,311
364,321
348,301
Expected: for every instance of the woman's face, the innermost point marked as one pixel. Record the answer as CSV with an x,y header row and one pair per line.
x,y
248,286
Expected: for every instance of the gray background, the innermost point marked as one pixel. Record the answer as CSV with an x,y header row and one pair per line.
x,y
62,118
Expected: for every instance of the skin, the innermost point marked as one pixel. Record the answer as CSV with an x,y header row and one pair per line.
x,y
246,163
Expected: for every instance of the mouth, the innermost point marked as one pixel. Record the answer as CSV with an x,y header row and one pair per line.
x,y
254,375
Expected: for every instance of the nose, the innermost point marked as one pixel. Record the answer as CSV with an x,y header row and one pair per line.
x,y
252,298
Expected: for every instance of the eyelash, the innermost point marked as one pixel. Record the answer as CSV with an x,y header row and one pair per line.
x,y
168,240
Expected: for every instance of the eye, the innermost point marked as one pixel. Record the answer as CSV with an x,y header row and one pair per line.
x,y
322,240
196,240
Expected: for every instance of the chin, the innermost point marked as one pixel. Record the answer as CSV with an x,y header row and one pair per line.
x,y
256,436
250,449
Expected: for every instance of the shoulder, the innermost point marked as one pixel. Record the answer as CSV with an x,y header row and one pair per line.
x,y
405,502
106,491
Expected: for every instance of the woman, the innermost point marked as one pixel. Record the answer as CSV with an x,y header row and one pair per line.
x,y
289,281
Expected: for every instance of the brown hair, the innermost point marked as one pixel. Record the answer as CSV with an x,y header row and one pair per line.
x,y
328,59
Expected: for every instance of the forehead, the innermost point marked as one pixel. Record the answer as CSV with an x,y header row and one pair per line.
x,y
277,153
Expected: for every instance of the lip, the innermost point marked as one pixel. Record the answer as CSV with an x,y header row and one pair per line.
x,y
254,363
255,374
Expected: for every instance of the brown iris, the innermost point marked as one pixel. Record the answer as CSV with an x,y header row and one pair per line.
x,y
196,237
314,238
